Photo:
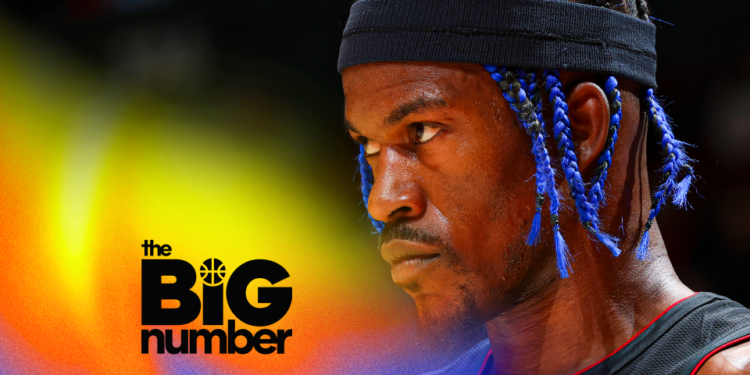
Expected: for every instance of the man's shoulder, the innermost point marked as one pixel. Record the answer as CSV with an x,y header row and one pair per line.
x,y
723,325
731,361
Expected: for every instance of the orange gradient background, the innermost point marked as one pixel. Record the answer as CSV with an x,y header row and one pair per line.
x,y
90,168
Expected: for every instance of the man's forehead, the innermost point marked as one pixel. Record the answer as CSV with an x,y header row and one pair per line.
x,y
399,76
383,90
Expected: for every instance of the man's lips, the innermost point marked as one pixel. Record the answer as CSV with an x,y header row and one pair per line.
x,y
407,258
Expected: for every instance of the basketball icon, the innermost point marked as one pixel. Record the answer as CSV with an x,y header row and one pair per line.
x,y
213,271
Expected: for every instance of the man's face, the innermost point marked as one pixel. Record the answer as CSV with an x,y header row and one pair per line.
x,y
453,182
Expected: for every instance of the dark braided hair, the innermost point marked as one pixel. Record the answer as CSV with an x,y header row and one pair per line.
x,y
596,194
522,89
515,84
366,185
635,8
677,165
587,211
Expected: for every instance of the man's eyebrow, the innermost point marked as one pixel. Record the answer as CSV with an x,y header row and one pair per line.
x,y
348,126
403,110
410,107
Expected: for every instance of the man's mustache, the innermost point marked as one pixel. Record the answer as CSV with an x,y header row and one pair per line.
x,y
402,231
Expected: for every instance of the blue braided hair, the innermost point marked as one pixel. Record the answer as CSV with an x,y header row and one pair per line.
x,y
522,90
676,168
515,83
365,171
587,212
596,194
561,248
532,87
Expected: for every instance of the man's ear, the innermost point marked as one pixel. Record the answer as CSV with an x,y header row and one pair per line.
x,y
589,122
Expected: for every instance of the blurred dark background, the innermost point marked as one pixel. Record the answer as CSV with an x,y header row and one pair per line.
x,y
251,52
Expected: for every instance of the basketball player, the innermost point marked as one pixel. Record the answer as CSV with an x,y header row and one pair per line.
x,y
503,163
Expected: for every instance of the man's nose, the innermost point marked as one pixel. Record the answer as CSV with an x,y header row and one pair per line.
x,y
395,193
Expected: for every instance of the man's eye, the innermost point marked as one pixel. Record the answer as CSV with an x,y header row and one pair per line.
x,y
371,147
425,132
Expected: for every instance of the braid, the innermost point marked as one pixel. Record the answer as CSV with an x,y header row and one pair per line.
x,y
596,194
635,8
514,84
600,3
586,211
676,162
632,8
643,10
561,248
539,154
366,185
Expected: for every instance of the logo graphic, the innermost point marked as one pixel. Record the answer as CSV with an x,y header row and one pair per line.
x,y
213,273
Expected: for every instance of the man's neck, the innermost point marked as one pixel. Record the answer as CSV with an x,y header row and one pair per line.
x,y
575,322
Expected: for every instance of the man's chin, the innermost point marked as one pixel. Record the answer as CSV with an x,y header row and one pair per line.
x,y
449,325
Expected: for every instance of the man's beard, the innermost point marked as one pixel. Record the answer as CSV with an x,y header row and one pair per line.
x,y
458,329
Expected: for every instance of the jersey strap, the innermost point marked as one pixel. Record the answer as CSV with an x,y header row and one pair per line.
x,y
681,339
726,341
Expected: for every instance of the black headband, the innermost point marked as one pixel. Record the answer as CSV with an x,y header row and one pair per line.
x,y
551,34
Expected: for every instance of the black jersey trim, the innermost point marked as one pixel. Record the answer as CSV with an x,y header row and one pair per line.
x,y
651,334
724,342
